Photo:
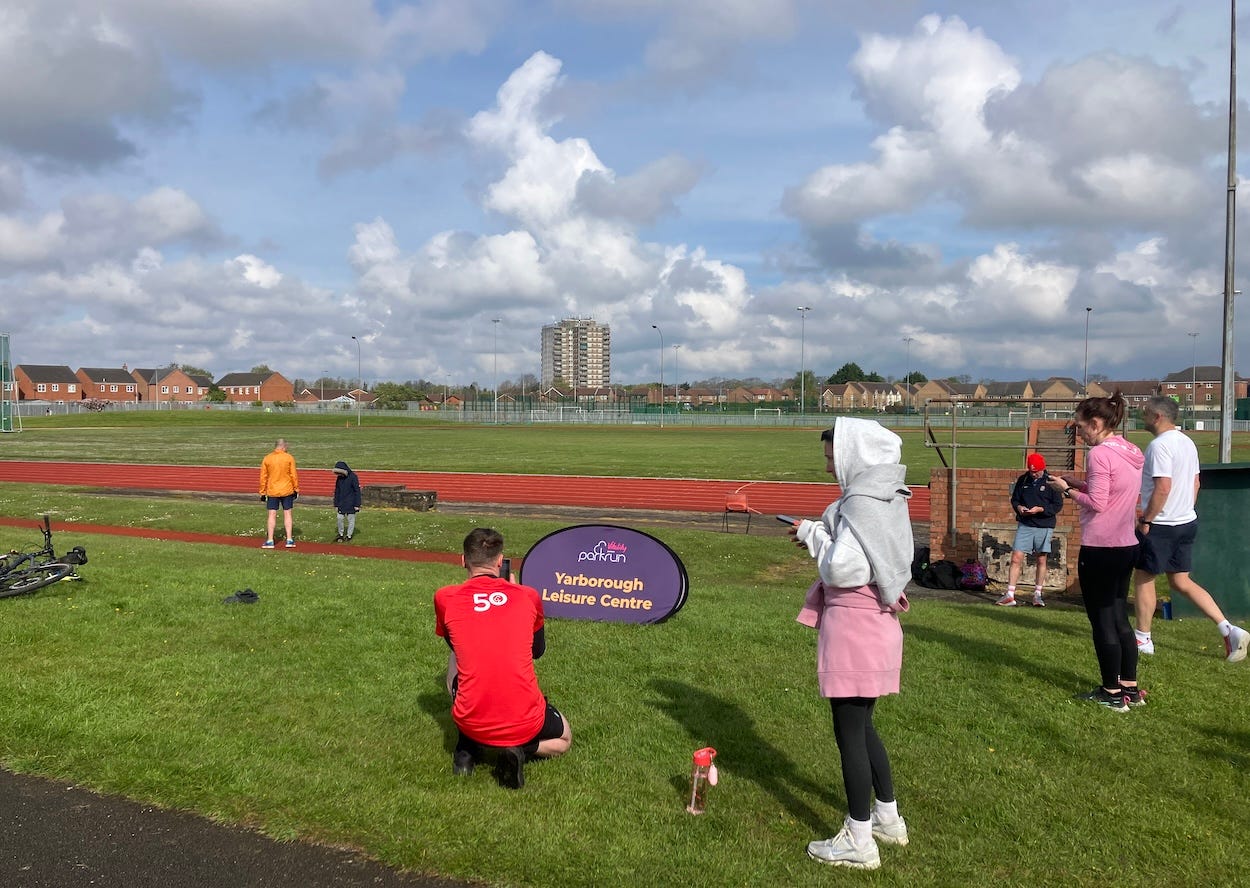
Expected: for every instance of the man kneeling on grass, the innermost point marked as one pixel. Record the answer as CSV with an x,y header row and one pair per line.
x,y
495,630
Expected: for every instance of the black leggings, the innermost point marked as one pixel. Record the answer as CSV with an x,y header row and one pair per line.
x,y
1104,573
865,764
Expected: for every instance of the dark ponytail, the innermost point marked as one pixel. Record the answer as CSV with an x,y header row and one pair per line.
x,y
1110,410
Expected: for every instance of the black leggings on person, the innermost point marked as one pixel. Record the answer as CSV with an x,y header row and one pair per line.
x,y
1105,572
865,764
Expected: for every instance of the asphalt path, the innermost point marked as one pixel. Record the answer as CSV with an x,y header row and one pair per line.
x,y
61,836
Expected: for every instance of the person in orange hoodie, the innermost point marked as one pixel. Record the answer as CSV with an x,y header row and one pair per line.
x,y
279,486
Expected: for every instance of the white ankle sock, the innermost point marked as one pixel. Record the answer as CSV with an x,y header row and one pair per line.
x,y
1011,591
861,831
1225,627
887,812
1037,590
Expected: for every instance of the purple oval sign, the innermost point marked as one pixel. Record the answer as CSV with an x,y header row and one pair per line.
x,y
604,572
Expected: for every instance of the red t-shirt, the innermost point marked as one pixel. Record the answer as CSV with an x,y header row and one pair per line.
x,y
491,624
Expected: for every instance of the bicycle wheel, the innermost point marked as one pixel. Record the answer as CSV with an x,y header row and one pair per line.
x,y
20,582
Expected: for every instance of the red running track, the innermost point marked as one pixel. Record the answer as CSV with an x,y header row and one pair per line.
x,y
803,499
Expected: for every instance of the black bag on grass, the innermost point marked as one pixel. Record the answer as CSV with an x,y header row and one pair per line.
x,y
941,575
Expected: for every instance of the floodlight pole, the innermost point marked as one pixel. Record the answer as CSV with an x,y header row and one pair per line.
x,y
802,310
1193,383
1228,394
1085,381
359,382
676,377
657,329
495,400
908,340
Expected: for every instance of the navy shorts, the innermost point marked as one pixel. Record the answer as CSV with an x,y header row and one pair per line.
x,y
1168,548
285,503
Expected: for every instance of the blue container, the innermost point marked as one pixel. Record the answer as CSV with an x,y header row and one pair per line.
x,y
1166,606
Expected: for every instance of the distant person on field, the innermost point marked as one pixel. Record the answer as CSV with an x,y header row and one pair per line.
x,y
863,550
346,500
1035,505
1167,526
279,486
494,628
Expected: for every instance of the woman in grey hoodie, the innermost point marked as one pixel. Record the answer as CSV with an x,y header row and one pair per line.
x,y
863,550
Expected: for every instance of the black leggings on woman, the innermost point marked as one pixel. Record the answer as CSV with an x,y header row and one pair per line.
x,y
865,764
1104,572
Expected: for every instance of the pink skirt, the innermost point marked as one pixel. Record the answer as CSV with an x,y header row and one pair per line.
x,y
859,649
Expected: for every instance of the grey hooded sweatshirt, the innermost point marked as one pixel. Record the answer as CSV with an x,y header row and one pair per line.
x,y
864,537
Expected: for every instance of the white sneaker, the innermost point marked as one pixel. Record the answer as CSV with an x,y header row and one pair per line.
x,y
1146,647
1008,600
841,850
892,833
1038,600
1236,643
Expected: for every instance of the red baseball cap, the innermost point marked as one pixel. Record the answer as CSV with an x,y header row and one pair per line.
x,y
1036,462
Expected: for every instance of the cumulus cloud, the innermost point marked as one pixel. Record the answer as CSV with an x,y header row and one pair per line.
x,y
1092,142
641,198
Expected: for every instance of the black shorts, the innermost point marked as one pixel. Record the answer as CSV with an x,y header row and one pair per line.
x,y
553,726
1168,548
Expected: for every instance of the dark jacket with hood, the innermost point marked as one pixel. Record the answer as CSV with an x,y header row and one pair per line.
x,y
346,489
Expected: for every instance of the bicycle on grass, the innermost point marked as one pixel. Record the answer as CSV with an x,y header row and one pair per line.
x,y
24,572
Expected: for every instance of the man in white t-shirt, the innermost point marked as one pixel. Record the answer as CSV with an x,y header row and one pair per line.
x,y
1167,526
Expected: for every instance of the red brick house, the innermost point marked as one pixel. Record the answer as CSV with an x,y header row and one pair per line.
x,y
47,382
167,385
108,384
244,388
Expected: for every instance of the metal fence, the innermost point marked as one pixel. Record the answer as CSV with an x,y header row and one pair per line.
x,y
516,414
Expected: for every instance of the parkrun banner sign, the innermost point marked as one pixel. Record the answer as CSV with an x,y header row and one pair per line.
x,y
603,572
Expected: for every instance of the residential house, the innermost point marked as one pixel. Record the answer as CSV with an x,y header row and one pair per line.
x,y
247,388
1136,392
1014,392
880,396
1056,388
323,394
164,385
46,382
1201,387
108,384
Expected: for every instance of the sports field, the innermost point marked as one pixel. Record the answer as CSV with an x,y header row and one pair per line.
x,y
319,712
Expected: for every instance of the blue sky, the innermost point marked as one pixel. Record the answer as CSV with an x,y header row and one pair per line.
x,y
226,184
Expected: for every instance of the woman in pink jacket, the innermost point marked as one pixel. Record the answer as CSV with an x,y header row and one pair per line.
x,y
863,550
1107,499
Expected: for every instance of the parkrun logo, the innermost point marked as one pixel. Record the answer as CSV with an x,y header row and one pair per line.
x,y
605,551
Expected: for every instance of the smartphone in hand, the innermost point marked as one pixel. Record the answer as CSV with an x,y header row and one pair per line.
x,y
787,519
505,570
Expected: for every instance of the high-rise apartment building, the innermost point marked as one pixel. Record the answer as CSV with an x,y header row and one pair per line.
x,y
577,351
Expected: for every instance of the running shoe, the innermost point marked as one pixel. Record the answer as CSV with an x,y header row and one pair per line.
x,y
892,833
841,850
1236,643
1008,600
1134,696
1103,697
267,544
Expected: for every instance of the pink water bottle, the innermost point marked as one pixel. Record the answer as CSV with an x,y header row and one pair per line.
x,y
702,775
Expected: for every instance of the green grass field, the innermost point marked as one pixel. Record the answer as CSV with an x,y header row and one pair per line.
x,y
319,712
415,443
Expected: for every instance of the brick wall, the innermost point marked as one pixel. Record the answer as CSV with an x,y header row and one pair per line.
x,y
983,497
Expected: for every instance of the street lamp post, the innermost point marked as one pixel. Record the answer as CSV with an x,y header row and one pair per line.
x,y
323,388
657,329
676,377
495,360
802,310
1085,382
908,340
360,383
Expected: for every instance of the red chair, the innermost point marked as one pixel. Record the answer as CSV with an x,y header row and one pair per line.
x,y
737,503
